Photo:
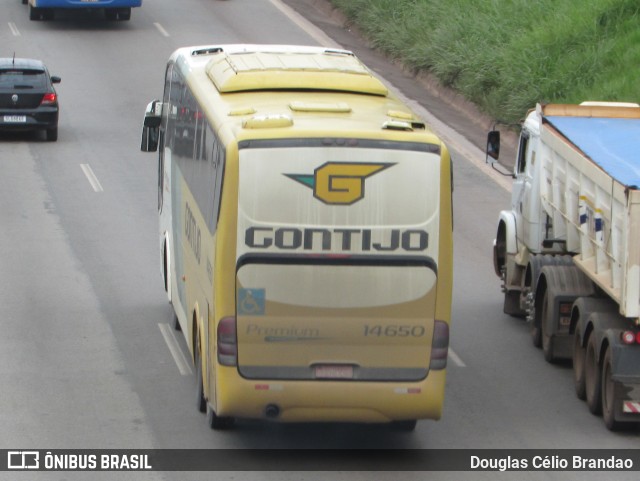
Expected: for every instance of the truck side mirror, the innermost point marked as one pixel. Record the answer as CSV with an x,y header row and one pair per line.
x,y
493,146
151,126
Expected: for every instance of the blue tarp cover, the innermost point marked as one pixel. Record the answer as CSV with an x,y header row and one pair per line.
x,y
612,143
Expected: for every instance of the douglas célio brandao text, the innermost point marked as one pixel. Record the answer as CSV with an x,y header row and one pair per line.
x,y
550,463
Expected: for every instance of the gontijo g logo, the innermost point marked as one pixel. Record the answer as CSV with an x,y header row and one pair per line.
x,y
339,183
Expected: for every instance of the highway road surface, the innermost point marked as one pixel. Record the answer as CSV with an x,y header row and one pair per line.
x,y
87,355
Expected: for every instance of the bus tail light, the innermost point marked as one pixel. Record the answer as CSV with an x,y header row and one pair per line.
x,y
227,342
439,345
49,99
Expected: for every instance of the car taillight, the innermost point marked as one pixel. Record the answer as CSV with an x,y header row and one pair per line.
x,y
439,345
227,342
49,99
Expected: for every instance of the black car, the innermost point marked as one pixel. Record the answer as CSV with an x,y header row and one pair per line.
x,y
28,100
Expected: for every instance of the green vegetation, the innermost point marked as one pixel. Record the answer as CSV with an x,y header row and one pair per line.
x,y
506,55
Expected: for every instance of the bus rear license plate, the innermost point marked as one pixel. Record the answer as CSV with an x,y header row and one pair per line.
x,y
15,119
334,372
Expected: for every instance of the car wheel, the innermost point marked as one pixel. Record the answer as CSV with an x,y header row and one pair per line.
x,y
52,134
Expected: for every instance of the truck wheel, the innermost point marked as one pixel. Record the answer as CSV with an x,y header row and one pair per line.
x,y
593,378
547,340
536,335
578,366
537,320
609,399
511,304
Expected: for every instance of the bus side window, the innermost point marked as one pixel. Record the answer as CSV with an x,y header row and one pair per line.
x,y
166,102
217,167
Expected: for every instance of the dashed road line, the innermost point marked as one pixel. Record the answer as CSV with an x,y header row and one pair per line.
x,y
14,29
161,29
91,177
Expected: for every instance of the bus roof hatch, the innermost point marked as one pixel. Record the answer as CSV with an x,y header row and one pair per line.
x,y
291,68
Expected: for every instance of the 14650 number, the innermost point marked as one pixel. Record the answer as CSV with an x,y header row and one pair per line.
x,y
394,331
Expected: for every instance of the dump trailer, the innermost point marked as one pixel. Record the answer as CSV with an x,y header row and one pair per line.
x,y
568,250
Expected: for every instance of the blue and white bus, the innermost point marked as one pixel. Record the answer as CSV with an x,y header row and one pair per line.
x,y
114,9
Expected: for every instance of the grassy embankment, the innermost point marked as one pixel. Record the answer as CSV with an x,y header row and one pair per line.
x,y
506,55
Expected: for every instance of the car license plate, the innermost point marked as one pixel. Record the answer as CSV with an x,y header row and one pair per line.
x,y
15,119
328,371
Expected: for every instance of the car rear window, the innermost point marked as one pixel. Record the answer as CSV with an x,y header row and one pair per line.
x,y
12,79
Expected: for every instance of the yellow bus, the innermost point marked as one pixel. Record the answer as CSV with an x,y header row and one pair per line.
x,y
305,236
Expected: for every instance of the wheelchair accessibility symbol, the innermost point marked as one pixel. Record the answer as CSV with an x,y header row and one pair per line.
x,y
251,302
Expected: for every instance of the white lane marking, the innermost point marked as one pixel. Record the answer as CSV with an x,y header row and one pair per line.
x,y
14,29
161,29
184,366
456,359
91,177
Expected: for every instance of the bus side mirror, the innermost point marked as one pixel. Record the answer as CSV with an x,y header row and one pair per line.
x,y
493,146
151,126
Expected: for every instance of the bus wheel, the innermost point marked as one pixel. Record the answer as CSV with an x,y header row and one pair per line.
x,y
218,422
592,378
405,426
125,14
578,366
118,14
36,13
201,402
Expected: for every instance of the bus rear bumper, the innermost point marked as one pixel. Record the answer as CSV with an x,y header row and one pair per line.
x,y
331,401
